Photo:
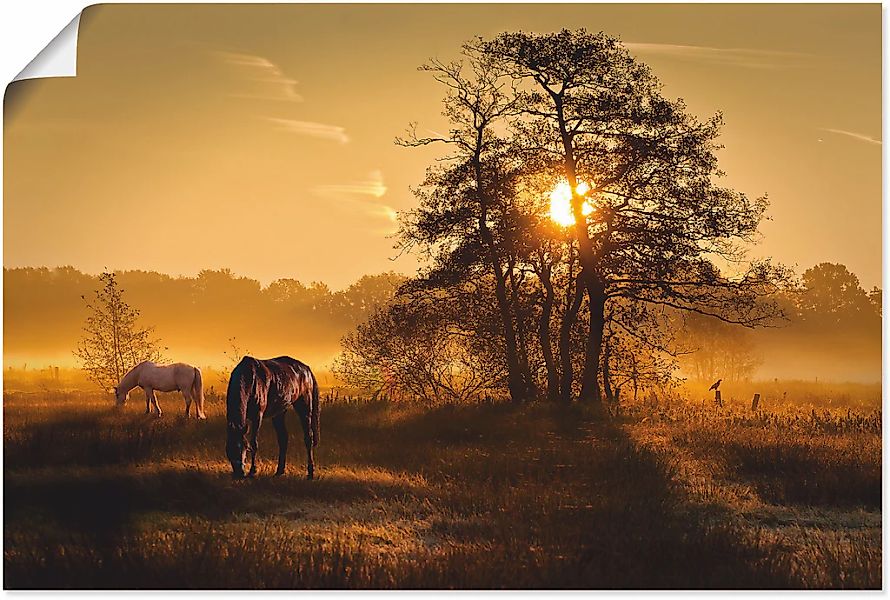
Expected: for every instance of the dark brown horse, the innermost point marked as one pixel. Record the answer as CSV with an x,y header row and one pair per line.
x,y
267,388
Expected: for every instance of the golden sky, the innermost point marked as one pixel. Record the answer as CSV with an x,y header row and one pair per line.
x,y
260,137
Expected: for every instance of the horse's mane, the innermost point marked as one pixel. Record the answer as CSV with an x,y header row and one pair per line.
x,y
128,381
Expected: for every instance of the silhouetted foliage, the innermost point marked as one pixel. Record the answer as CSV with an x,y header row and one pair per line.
x,y
432,346
830,292
833,332
528,111
113,342
658,219
466,202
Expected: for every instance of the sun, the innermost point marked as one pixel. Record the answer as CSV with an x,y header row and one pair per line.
x,y
561,203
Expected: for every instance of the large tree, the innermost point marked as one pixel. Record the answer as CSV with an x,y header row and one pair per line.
x,y
650,222
466,200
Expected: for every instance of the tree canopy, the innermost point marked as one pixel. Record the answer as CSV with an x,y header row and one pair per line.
x,y
646,222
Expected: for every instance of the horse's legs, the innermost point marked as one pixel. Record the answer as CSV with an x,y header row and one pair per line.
x,y
147,400
154,400
255,422
188,403
303,412
281,431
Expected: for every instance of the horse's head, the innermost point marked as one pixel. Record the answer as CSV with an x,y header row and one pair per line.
x,y
236,449
120,396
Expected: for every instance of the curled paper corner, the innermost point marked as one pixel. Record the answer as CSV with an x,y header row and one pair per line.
x,y
58,59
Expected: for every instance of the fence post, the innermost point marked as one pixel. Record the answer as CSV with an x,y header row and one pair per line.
x,y
717,399
755,402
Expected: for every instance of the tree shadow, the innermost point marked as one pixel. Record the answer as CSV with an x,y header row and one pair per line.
x,y
111,503
523,497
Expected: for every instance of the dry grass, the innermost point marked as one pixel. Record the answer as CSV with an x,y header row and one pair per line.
x,y
802,479
487,496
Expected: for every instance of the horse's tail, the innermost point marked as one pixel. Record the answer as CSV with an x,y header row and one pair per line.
x,y
316,410
198,393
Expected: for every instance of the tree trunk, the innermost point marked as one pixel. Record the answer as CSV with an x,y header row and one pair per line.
x,y
565,346
115,336
515,380
521,347
544,337
590,387
607,376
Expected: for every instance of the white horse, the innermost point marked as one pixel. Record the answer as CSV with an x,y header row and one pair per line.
x,y
163,378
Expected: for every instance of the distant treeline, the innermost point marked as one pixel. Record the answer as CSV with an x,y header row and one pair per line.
x,y
833,332
198,319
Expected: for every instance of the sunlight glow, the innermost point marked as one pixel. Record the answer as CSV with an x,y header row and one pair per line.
x,y
561,203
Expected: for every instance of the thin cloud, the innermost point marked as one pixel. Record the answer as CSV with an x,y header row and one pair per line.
x,y
267,78
373,186
312,129
383,211
360,196
738,57
270,83
856,136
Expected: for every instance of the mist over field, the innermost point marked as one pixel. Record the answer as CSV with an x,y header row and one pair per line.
x,y
196,318
834,335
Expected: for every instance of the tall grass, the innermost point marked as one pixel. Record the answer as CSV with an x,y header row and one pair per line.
x,y
483,496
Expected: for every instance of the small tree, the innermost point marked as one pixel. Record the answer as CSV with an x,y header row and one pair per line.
x,y
113,341
233,355
420,348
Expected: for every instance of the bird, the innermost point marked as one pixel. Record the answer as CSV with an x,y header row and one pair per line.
x,y
715,385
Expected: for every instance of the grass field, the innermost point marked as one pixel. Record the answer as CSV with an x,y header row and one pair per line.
x,y
660,495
